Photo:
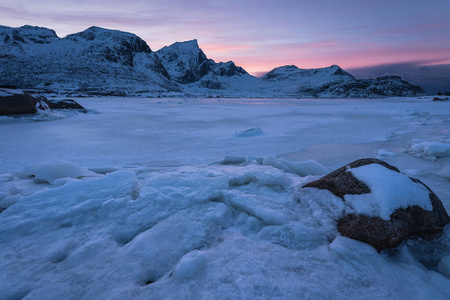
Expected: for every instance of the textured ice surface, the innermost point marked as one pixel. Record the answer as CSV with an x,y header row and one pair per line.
x,y
160,219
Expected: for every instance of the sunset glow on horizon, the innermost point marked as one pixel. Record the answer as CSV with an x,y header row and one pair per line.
x,y
262,35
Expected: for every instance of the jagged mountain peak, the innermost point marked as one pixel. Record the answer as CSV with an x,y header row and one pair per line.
x,y
228,69
187,63
186,51
336,70
186,44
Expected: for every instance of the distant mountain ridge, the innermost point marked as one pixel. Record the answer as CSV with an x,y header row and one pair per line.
x,y
100,61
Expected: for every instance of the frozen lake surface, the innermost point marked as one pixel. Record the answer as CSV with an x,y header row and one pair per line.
x,y
199,198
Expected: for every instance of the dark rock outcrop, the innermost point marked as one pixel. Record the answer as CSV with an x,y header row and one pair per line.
x,y
440,99
13,104
413,221
64,104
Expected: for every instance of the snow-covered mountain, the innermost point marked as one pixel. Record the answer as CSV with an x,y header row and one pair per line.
x,y
187,64
385,86
99,61
185,61
95,61
333,82
290,80
313,77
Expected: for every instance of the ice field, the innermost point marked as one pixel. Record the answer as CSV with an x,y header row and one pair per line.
x,y
201,199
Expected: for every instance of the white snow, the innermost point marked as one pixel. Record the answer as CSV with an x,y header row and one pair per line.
x,y
444,172
420,147
137,207
53,170
383,152
8,92
444,266
302,168
389,191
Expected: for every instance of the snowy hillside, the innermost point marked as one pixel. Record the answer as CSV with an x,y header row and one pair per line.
x,y
95,61
307,77
385,86
334,82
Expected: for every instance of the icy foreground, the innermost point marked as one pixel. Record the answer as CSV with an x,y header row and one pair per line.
x,y
169,199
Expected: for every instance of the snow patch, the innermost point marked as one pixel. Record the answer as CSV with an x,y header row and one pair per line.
x,y
389,191
444,266
423,148
302,168
50,171
191,265
444,172
384,152
8,92
349,248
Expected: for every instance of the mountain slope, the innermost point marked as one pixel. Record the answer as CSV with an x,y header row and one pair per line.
x,y
290,80
333,82
385,86
185,61
95,61
188,65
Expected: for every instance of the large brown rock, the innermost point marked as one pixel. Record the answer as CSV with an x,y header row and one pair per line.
x,y
413,221
13,104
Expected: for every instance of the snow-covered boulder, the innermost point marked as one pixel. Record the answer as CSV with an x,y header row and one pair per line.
x,y
13,102
383,206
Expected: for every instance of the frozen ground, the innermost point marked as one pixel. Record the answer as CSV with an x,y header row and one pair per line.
x,y
199,198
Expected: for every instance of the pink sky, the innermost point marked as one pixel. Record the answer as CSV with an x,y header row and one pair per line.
x,y
260,35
